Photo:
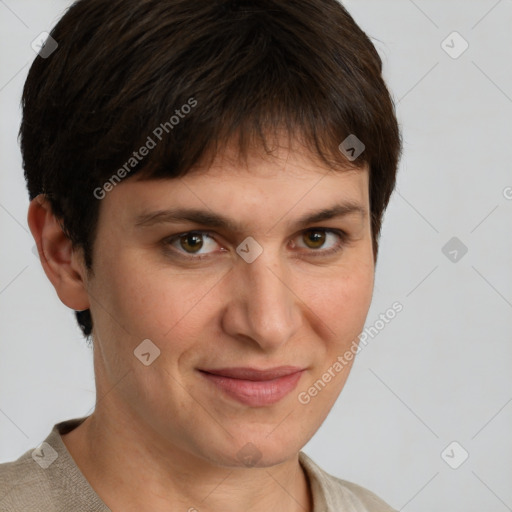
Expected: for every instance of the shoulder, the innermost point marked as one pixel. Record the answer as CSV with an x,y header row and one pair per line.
x,y
332,494
24,485
46,479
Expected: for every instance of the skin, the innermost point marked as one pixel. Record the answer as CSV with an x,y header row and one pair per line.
x,y
162,437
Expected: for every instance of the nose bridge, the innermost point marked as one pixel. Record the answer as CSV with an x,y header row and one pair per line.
x,y
270,308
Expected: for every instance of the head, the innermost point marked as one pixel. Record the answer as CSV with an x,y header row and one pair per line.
x,y
238,109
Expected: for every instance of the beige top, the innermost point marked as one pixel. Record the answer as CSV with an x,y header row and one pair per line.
x,y
48,480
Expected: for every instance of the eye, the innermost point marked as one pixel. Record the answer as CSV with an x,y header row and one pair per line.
x,y
190,245
316,238
192,242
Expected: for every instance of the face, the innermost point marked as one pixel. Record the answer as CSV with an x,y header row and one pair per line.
x,y
243,316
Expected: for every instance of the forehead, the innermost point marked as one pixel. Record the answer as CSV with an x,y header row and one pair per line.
x,y
283,174
287,158
289,184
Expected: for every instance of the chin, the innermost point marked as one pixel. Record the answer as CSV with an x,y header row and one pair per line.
x,y
256,452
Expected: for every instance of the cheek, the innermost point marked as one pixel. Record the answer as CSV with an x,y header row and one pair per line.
x,y
154,303
343,301
342,307
356,291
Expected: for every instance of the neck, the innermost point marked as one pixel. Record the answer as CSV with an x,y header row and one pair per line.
x,y
131,468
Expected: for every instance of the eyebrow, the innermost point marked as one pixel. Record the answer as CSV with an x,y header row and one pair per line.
x,y
219,221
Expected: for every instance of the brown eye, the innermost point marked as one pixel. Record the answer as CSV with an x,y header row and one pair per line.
x,y
198,245
194,245
314,239
322,242
191,241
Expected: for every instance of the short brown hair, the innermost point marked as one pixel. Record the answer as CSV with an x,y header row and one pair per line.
x,y
122,68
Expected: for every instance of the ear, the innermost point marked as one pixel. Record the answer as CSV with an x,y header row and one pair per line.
x,y
63,265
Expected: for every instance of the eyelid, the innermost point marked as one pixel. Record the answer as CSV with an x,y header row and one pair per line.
x,y
342,235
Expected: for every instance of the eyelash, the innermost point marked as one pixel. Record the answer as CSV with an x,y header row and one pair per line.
x,y
342,235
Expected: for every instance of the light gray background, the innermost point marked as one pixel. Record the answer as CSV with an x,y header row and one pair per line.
x,y
441,370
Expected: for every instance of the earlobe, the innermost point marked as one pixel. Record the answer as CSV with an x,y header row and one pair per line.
x,y
61,263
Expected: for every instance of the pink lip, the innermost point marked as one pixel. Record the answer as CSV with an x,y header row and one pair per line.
x,y
254,387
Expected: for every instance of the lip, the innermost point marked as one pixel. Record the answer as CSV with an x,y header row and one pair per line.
x,y
254,387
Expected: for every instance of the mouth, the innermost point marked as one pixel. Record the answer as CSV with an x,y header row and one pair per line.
x,y
254,387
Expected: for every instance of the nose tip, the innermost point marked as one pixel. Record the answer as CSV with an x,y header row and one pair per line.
x,y
266,309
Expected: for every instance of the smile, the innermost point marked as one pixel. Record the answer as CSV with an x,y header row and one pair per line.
x,y
255,388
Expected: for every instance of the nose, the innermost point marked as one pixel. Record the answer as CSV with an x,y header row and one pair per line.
x,y
263,305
